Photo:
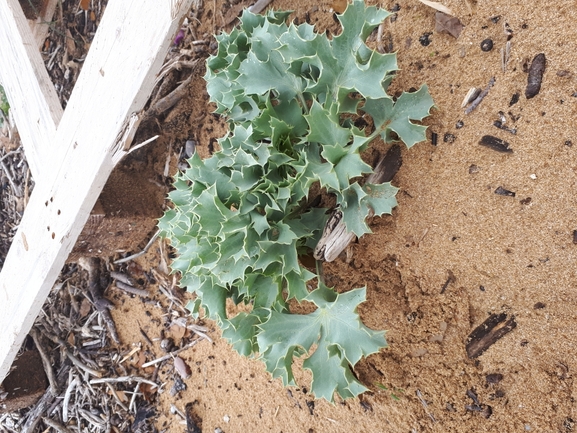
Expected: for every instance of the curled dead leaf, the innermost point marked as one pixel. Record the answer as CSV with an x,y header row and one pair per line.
x,y
177,331
85,307
182,367
148,391
447,24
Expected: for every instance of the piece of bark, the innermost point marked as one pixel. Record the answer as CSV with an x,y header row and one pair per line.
x,y
258,7
488,332
448,24
481,96
495,143
335,236
535,76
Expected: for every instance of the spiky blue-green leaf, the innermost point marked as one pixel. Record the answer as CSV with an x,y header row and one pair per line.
x,y
242,217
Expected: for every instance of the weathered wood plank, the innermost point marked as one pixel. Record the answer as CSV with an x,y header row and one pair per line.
x,y
33,99
116,80
40,27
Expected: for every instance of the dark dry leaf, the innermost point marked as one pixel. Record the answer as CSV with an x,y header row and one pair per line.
x,y
564,73
514,99
193,421
535,77
473,407
488,332
487,412
502,191
494,378
447,24
495,144
473,396
388,166
525,201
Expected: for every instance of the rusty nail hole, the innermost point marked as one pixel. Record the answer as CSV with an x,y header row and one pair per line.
x,y
53,235
58,211
51,199
48,228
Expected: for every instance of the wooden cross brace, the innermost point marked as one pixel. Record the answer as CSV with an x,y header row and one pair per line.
x,y
71,153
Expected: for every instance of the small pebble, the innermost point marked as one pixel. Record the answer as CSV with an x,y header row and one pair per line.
x,y
459,124
189,148
487,45
449,138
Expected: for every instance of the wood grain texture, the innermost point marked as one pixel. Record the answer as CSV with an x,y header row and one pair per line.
x,y
33,99
40,26
118,75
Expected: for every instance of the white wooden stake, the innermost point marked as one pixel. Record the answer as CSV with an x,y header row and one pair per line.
x,y
115,82
33,99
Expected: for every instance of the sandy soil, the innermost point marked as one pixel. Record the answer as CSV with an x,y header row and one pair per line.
x,y
453,252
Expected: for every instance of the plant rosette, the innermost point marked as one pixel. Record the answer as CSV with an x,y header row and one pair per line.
x,y
240,218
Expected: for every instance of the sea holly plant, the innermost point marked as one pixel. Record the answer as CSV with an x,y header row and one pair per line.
x,y
241,218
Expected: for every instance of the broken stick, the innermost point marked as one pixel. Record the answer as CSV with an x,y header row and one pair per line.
x,y
335,236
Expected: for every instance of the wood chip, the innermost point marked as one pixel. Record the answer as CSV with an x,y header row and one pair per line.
x,y
495,143
535,77
487,333
335,236
438,6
